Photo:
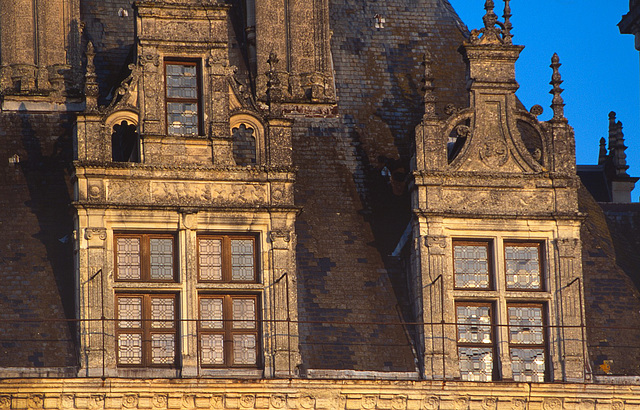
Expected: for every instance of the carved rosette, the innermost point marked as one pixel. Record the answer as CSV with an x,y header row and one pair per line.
x,y
5,402
431,403
552,404
130,401
159,401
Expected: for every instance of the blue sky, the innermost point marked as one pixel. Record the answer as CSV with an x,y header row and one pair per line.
x,y
599,66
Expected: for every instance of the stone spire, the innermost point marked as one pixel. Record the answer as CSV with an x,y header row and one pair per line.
x,y
617,147
90,82
429,95
507,23
557,104
602,153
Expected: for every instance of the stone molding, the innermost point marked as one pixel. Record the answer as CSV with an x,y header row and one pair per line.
x,y
96,394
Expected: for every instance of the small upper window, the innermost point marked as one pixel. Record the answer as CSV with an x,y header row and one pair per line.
x,y
145,257
125,143
182,98
523,267
472,265
244,145
227,258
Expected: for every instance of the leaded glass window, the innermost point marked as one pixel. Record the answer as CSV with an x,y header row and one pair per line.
x,y
228,330
527,342
227,258
146,329
472,265
475,341
182,98
522,264
145,257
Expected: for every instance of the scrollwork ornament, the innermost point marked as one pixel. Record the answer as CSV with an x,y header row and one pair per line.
x,y
517,404
159,401
461,403
217,401
247,400
278,401
369,402
5,402
188,401
494,153
307,402
66,401
552,404
90,233
130,401
489,403
431,144
617,405
96,401
35,401
399,402
463,131
431,403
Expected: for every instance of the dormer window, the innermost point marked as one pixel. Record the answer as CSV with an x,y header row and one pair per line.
x,y
182,98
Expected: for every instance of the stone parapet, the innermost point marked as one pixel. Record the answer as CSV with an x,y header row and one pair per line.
x,y
93,393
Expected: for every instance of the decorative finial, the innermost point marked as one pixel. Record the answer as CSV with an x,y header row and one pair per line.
x,y
490,18
506,32
90,80
557,104
602,153
617,147
429,96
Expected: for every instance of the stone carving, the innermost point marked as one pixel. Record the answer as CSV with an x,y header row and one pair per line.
x,y
536,110
431,143
463,130
207,193
35,401
95,402
494,153
5,402
461,403
217,401
587,405
188,401
399,402
159,401
552,404
369,402
247,400
278,401
100,233
431,403
436,244
307,402
489,403
518,404
94,192
66,401
130,401
617,405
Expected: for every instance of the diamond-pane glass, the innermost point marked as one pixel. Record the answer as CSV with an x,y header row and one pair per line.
x,y
471,266
523,267
130,312
162,313
244,349
244,313
210,259
474,324
182,81
212,349
242,259
527,365
128,251
129,348
525,325
211,313
161,254
182,118
476,364
163,349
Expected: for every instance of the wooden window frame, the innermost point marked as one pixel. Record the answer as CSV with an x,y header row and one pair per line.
x,y
541,264
228,331
525,346
226,257
492,320
488,244
145,256
146,330
197,100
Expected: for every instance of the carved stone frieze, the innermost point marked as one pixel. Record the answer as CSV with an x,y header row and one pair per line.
x,y
493,201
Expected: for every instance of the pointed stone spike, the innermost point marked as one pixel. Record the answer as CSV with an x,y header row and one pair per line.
x,y
429,96
490,18
602,153
507,23
557,104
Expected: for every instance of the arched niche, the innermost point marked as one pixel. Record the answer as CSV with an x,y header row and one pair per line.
x,y
247,136
124,137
